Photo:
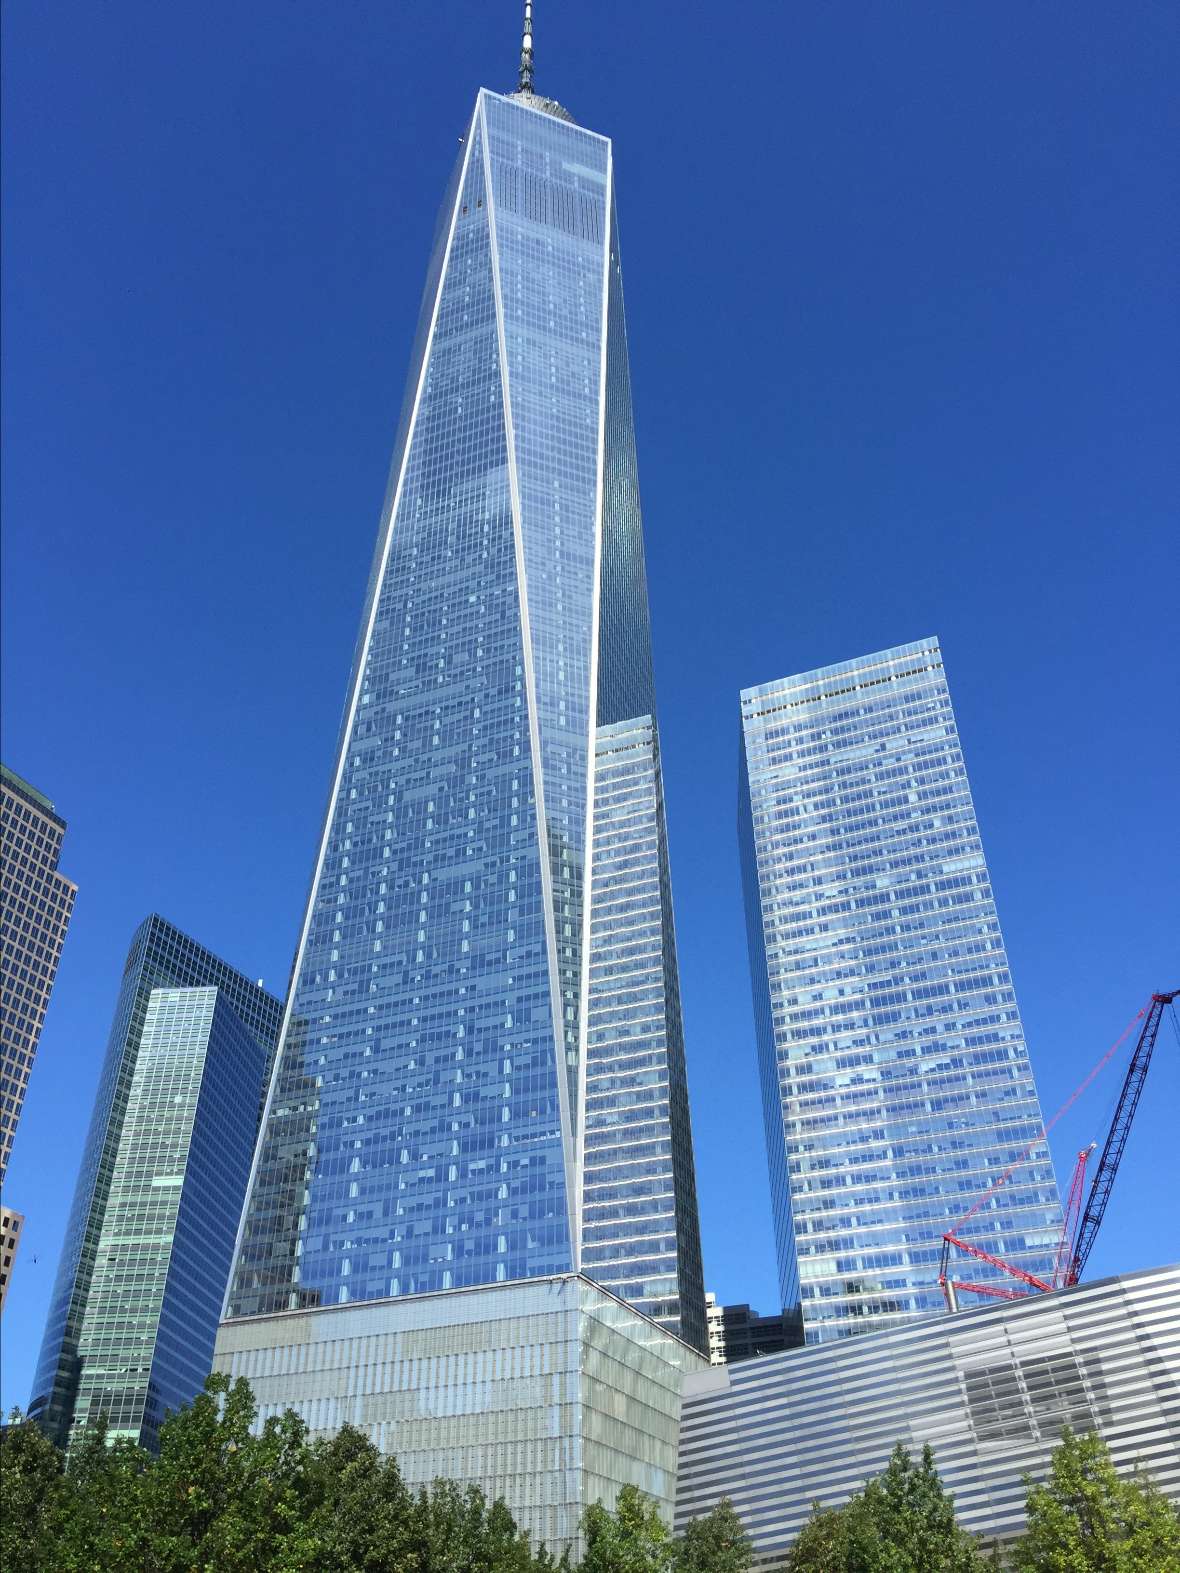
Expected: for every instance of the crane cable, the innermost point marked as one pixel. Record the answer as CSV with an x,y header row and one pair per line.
x,y
1067,1105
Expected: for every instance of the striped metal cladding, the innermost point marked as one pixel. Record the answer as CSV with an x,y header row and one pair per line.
x,y
989,1389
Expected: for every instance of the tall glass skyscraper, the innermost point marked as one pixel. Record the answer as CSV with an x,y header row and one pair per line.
x,y
151,1233
481,1076
165,1244
895,1079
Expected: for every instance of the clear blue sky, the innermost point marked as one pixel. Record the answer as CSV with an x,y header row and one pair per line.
x,y
902,295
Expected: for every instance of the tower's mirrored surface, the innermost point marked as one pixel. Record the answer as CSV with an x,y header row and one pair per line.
x,y
96,1280
426,1125
896,1082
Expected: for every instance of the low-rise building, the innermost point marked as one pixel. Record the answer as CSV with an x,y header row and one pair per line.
x,y
548,1392
738,1332
989,1389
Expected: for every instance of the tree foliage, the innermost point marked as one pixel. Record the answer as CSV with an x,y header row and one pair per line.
x,y
715,1543
221,1498
632,1539
1087,1518
902,1522
32,1498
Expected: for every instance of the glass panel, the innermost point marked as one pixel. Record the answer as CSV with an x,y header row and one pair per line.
x,y
895,1073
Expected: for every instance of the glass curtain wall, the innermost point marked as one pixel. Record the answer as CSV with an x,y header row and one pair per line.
x,y
424,1123
895,1075
161,956
166,1242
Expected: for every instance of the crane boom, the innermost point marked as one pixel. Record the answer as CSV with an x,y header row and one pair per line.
x,y
977,1251
1116,1141
1063,1261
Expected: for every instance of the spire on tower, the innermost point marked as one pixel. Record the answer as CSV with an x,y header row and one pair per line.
x,y
525,84
525,92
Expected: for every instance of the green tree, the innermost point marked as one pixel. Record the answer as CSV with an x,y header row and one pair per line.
x,y
33,1496
362,1512
837,1540
915,1516
456,1530
1087,1518
902,1522
632,1539
105,1525
715,1543
220,1498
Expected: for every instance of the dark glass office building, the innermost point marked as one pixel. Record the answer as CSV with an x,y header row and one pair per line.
x,y
151,1233
482,1076
738,1332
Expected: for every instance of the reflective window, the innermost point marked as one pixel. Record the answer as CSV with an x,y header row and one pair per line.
x,y
424,1124
895,1077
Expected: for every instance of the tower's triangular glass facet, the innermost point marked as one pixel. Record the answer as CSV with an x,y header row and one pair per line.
x,y
427,1125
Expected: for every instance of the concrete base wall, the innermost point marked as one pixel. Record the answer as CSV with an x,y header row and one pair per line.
x,y
549,1393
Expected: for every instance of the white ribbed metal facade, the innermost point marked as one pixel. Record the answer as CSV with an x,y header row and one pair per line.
x,y
989,1389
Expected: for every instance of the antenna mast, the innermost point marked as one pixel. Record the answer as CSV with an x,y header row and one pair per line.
x,y
525,83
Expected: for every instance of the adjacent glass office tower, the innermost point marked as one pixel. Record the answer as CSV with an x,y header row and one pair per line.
x,y
430,1121
895,1078
165,1244
150,1238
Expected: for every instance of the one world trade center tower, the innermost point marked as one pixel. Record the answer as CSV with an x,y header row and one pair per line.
x,y
481,1076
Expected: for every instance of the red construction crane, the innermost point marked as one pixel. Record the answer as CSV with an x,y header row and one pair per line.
x,y
1079,1229
1066,1249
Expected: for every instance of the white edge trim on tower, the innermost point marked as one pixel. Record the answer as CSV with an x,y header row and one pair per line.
x,y
591,748
566,1114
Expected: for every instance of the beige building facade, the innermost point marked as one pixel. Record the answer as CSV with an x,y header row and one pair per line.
x,y
10,1228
